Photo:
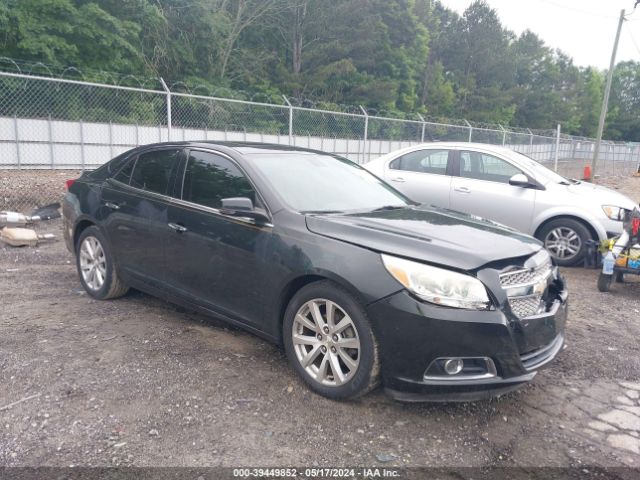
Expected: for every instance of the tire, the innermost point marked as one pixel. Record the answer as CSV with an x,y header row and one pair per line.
x,y
604,282
102,264
330,373
563,235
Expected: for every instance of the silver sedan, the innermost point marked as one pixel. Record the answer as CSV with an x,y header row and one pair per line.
x,y
510,188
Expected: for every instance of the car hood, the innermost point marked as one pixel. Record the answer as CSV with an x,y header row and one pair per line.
x,y
602,195
428,234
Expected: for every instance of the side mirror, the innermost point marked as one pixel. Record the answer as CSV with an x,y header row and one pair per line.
x,y
242,207
519,180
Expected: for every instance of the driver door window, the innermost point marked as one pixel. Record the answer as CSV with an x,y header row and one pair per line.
x,y
208,178
480,166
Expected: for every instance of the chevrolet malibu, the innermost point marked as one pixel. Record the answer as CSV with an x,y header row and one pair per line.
x,y
359,284
510,188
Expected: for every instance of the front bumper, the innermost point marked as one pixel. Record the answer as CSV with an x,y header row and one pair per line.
x,y
412,334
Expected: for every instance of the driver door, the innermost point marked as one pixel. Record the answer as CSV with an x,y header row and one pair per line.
x,y
482,188
214,259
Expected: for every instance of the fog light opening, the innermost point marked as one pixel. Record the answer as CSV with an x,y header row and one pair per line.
x,y
453,366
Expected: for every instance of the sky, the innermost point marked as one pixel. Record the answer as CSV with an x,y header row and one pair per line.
x,y
583,29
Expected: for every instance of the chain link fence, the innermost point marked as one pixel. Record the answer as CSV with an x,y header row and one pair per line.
x,y
61,124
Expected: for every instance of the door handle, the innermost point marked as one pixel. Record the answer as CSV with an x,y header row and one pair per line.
x,y
398,179
177,228
462,189
112,206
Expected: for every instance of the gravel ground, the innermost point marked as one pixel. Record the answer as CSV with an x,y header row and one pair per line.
x,y
140,382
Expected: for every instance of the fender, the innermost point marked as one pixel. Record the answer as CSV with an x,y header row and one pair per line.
x,y
565,211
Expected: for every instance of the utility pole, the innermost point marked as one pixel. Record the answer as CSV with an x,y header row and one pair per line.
x,y
605,100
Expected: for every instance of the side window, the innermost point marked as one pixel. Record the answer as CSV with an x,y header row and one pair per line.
x,y
209,178
481,166
155,171
124,175
423,161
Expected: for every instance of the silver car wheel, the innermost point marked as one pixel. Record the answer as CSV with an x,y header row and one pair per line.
x,y
326,342
563,243
93,264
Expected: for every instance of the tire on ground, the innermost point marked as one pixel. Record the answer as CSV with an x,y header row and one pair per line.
x,y
578,227
367,374
113,286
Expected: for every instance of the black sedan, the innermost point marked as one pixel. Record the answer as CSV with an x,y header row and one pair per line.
x,y
361,285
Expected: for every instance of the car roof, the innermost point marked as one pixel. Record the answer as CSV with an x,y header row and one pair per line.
x,y
486,147
243,147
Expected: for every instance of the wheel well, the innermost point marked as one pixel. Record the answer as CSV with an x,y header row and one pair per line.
x,y
592,231
290,290
80,227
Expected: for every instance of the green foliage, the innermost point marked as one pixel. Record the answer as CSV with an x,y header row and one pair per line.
x,y
400,57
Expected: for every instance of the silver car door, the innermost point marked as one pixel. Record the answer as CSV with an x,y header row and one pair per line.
x,y
422,175
482,188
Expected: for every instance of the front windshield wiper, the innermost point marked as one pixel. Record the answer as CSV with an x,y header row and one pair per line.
x,y
320,212
570,181
389,207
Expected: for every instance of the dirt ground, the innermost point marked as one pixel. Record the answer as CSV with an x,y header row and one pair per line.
x,y
139,382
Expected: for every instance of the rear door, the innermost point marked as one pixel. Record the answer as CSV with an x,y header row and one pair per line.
x,y
423,175
482,188
213,259
135,204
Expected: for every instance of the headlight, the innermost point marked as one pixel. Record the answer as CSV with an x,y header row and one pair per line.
x,y
437,285
614,213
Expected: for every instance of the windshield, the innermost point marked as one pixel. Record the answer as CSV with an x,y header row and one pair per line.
x,y
315,183
543,174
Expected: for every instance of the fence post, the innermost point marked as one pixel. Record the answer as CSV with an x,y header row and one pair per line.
x,y
530,140
166,89
110,139
557,149
424,124
17,137
366,132
50,127
82,143
290,119
504,135
470,130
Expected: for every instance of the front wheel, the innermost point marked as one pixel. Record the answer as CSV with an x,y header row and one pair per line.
x,y
329,342
565,239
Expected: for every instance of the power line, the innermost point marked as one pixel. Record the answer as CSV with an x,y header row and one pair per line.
x,y
635,44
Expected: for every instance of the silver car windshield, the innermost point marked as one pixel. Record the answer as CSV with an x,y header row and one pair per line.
x,y
543,174
315,183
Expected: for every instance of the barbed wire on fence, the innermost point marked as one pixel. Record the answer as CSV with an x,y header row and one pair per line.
x,y
63,122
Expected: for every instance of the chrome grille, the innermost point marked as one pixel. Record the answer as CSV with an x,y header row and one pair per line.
x,y
524,307
525,285
526,276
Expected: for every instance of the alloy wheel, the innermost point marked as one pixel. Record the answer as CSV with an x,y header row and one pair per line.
x,y
326,342
93,264
563,243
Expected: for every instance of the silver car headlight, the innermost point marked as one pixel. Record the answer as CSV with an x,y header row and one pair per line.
x,y
614,213
438,285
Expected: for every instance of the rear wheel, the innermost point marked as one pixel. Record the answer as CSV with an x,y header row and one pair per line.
x,y
604,282
565,239
96,267
329,341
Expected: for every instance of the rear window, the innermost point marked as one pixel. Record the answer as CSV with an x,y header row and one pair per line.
x,y
155,171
